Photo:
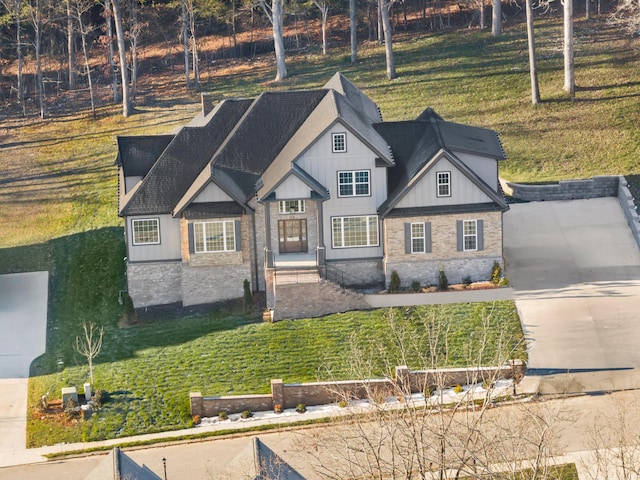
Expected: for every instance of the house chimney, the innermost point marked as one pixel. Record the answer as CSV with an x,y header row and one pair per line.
x,y
207,103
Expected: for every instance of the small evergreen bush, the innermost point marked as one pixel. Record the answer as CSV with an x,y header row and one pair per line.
x,y
415,286
222,415
301,408
246,414
394,282
248,297
443,281
466,281
343,404
457,389
496,273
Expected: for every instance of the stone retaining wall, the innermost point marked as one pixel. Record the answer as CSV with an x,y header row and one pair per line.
x,y
596,187
322,393
629,209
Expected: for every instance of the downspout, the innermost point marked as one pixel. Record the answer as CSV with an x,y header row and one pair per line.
x,y
255,252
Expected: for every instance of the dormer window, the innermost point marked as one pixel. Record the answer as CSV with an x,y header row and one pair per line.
x,y
444,184
339,142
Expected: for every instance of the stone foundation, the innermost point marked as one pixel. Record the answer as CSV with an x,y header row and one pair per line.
x,y
154,283
213,284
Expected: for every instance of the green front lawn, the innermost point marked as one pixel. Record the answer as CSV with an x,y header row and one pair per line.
x,y
149,370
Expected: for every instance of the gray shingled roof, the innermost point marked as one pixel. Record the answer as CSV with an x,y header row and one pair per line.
x,y
118,466
182,161
414,144
140,153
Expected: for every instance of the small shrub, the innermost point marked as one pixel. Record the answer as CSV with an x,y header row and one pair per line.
x,y
222,415
248,297
343,404
504,282
466,281
246,414
443,281
457,389
99,398
277,408
394,282
301,408
415,286
196,420
496,273
427,392
70,410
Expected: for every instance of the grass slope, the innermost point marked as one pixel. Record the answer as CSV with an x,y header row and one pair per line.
x,y
150,370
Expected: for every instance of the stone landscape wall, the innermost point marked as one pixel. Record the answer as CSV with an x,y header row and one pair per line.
x,y
322,393
596,187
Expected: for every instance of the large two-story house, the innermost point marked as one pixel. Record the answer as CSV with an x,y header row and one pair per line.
x,y
311,180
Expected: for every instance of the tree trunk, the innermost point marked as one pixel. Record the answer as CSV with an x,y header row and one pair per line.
x,y
233,28
380,23
87,68
482,21
112,66
185,42
19,57
535,91
388,47
124,72
353,27
278,39
587,10
569,80
324,13
37,26
496,18
71,48
194,44
134,33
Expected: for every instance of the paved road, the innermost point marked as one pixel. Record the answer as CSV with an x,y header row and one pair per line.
x,y
23,323
575,270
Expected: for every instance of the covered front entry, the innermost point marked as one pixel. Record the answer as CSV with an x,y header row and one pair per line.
x,y
292,235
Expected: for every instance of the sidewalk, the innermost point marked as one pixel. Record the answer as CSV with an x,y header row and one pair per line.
x,y
435,298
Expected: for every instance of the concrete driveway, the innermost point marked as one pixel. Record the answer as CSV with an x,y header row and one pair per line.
x,y
575,270
23,332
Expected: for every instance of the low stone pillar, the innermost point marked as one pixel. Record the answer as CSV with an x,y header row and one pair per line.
x,y
195,400
87,392
69,393
277,392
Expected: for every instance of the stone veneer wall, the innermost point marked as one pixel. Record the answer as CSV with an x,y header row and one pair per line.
x,y
322,393
603,186
425,267
154,283
629,209
359,272
307,300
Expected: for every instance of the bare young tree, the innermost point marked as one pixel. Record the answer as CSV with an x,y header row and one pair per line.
x,y
71,49
89,344
384,10
353,29
79,11
323,6
496,18
14,7
108,19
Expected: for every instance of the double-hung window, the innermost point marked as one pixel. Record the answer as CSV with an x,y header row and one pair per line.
x,y
355,231
417,238
146,231
339,142
470,235
353,183
218,236
444,184
292,206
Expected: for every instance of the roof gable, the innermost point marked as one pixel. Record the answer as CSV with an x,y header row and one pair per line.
x,y
136,155
182,161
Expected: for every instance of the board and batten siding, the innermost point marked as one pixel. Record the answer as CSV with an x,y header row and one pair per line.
x,y
167,249
424,192
321,163
212,193
293,189
130,182
486,168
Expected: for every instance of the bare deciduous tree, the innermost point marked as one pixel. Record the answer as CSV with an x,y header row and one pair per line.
x,y
89,344
275,14
533,70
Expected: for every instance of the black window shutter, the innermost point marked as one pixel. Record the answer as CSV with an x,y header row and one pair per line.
x,y
238,235
407,238
427,237
192,243
480,225
459,233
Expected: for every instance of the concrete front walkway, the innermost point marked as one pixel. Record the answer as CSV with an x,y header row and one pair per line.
x,y
23,333
575,270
